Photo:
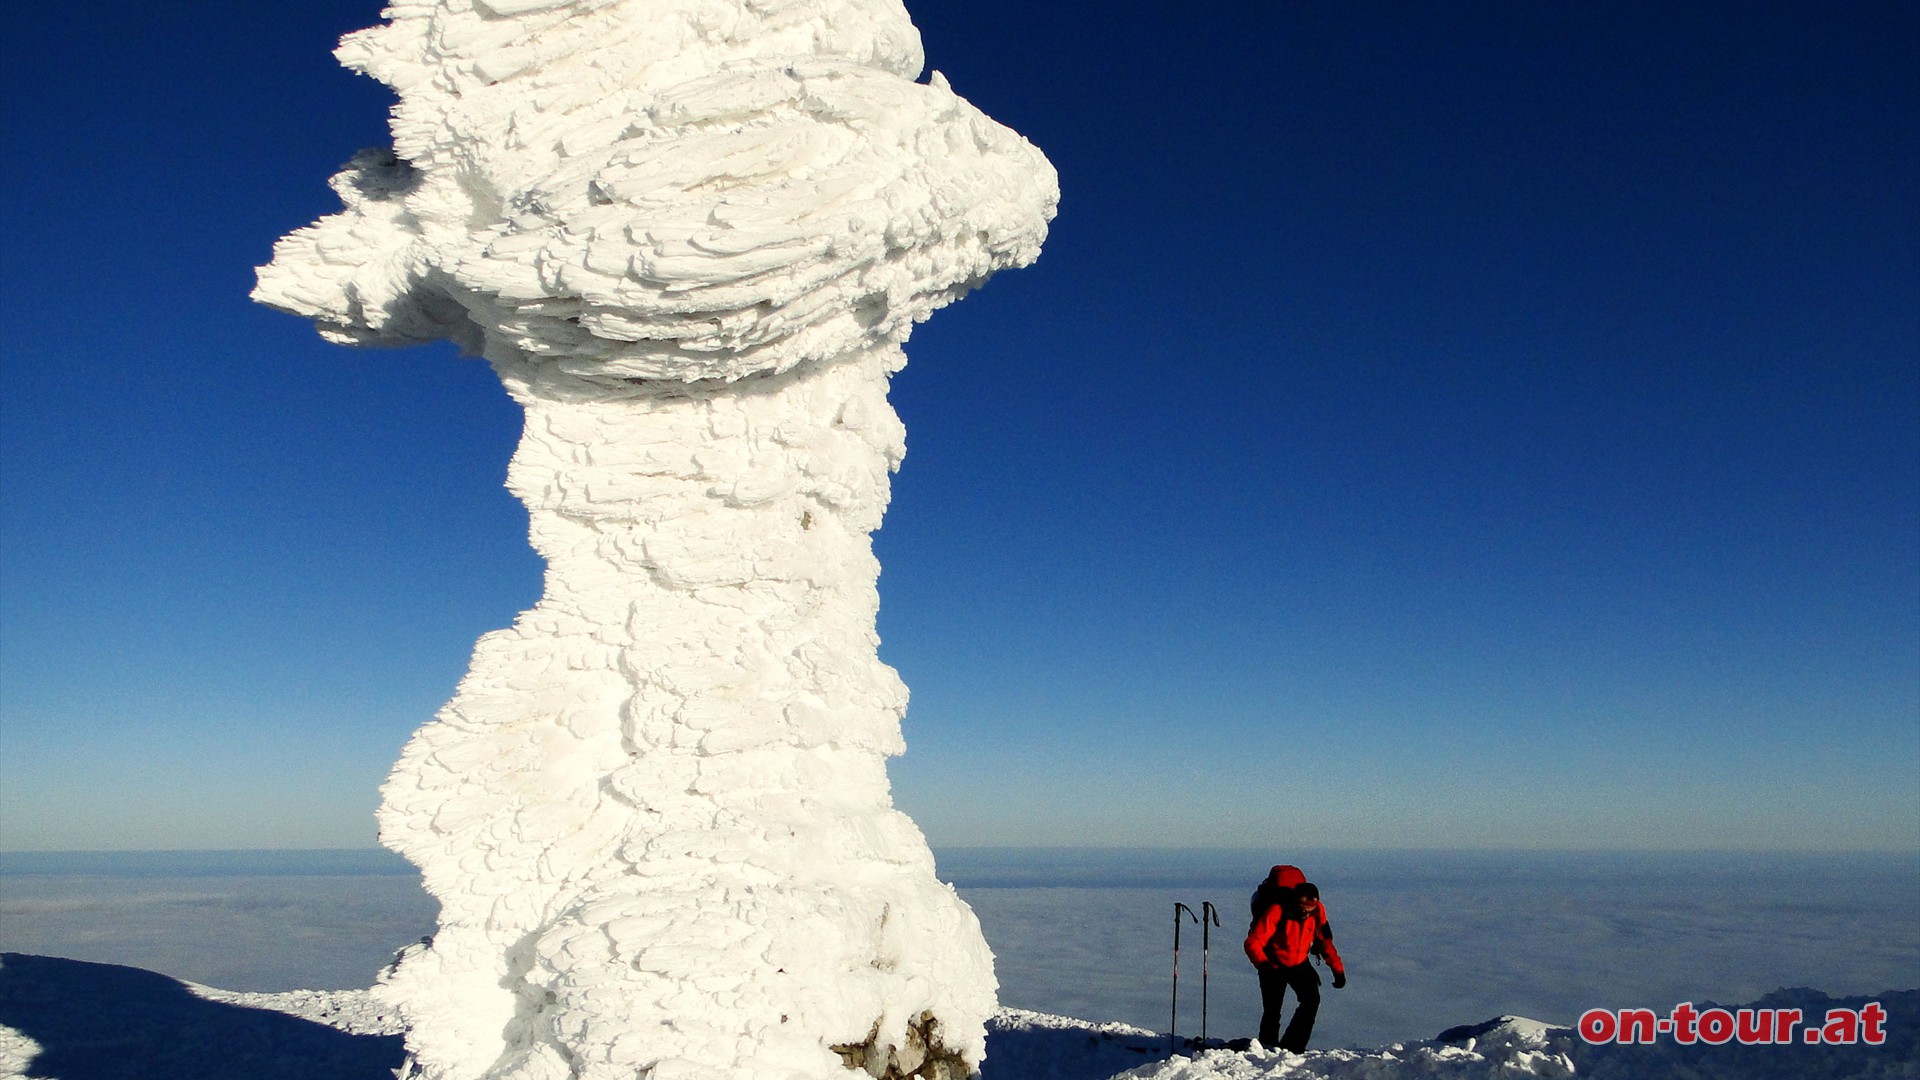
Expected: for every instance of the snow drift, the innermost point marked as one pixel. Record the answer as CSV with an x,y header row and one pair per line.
x,y
690,236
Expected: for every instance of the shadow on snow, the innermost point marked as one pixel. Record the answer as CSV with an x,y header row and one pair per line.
x,y
105,1022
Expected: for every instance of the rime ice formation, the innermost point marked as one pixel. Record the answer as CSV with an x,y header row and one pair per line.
x,y
690,236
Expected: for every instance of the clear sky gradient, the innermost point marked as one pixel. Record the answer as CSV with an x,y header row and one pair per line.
x,y
1485,424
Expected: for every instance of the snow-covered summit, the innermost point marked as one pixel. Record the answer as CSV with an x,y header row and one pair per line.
x,y
64,1017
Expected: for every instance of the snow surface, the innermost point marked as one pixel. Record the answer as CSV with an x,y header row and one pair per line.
x,y
1511,1048
103,1021
690,236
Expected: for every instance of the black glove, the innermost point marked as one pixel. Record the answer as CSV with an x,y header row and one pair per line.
x,y
1339,979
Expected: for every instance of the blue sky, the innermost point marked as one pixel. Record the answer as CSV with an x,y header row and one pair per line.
x,y
1473,425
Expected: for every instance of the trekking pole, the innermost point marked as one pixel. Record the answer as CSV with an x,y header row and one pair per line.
x,y
1173,1042
1207,911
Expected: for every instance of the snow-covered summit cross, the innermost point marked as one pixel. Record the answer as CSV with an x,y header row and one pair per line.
x,y
690,236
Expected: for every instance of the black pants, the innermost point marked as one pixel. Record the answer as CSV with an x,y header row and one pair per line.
x,y
1273,986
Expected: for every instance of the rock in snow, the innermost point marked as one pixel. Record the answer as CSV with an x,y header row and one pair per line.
x,y
690,236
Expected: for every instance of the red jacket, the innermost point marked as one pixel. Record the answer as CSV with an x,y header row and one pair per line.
x,y
1276,938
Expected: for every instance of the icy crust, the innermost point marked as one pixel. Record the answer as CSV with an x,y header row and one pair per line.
x,y
656,812
661,189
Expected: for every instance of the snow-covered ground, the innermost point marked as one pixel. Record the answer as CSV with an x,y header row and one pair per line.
x,y
69,1020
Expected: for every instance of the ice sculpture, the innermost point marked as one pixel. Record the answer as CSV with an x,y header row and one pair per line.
x,y
690,236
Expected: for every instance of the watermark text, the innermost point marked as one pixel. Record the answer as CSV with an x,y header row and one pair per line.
x,y
1686,1025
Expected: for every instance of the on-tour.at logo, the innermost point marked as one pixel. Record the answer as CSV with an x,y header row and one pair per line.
x,y
1866,1025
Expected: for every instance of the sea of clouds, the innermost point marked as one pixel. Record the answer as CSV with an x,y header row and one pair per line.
x,y
1432,939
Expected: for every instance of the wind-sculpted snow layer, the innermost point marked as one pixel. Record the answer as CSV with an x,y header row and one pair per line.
x,y
661,189
656,814
690,235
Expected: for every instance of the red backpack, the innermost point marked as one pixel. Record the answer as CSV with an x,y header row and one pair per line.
x,y
1280,882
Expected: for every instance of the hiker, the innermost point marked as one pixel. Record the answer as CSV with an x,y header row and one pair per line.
x,y
1289,929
